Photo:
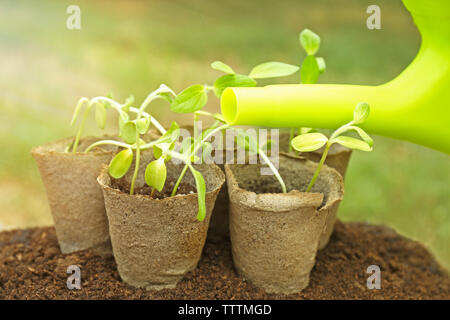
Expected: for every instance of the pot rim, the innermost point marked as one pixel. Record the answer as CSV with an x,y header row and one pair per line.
x,y
287,201
104,180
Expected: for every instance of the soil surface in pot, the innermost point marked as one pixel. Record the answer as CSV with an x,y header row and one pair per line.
x,y
183,189
32,267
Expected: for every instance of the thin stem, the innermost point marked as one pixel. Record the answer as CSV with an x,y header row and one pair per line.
x,y
136,165
319,166
80,130
183,172
274,170
291,136
111,142
177,184
152,193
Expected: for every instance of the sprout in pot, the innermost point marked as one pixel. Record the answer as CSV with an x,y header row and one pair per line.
x,y
275,234
311,68
195,97
310,142
69,176
158,211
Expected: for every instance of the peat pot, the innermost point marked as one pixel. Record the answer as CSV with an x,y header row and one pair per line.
x,y
156,241
75,198
275,236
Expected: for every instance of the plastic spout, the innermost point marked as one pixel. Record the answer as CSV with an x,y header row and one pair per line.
x,y
413,107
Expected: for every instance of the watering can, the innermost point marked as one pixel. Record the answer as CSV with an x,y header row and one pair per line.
x,y
412,107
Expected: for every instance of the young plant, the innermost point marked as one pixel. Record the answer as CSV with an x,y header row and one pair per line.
x,y
195,97
131,132
101,105
311,68
313,141
249,143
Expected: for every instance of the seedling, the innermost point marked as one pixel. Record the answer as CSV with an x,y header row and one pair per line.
x,y
101,105
311,68
313,141
195,97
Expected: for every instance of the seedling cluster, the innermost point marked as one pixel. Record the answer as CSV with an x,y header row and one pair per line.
x,y
134,124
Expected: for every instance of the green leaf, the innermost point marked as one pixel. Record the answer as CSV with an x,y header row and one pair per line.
x,y
272,70
120,164
309,142
321,63
123,118
190,99
361,112
142,125
155,174
352,143
367,139
171,135
246,141
309,41
128,102
220,66
201,190
129,132
232,80
309,72
100,115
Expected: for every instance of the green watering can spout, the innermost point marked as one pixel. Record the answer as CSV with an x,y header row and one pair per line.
x,y
412,107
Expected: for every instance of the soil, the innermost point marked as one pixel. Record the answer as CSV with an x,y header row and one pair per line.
x,y
183,189
32,267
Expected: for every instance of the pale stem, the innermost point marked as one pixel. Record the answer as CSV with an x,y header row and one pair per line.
x,y
319,166
80,130
274,170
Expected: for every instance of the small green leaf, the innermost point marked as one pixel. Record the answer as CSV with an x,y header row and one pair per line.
x,y
272,70
232,80
361,113
129,132
190,99
123,118
100,115
128,102
363,135
309,41
155,174
309,142
246,141
120,164
171,135
220,66
321,63
352,143
142,125
201,191
309,72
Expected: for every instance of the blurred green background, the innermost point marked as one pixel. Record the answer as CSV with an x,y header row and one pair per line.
x,y
129,46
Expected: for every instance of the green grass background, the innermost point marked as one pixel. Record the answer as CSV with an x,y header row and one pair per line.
x,y
132,46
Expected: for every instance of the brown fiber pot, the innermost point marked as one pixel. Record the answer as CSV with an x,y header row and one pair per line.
x,y
156,242
275,236
338,158
75,198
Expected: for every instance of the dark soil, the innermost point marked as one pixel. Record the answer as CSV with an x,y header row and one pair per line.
x,y
32,267
183,189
